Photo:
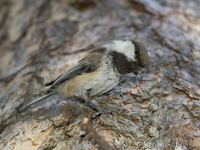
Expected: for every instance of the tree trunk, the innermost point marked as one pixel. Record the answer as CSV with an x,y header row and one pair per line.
x,y
158,109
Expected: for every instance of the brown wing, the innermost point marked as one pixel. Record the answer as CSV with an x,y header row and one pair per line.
x,y
85,65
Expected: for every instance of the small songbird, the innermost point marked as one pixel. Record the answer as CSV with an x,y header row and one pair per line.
x,y
100,71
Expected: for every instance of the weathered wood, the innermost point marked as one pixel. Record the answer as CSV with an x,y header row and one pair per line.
x,y
158,109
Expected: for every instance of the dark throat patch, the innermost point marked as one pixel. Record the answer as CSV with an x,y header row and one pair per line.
x,y
122,64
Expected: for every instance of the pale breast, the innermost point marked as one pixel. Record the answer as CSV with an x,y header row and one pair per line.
x,y
96,83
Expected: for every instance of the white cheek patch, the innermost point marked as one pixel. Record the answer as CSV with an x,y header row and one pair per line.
x,y
129,51
125,47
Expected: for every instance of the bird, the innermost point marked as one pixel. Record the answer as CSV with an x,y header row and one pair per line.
x,y
99,71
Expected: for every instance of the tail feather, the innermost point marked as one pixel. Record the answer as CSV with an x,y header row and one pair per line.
x,y
40,99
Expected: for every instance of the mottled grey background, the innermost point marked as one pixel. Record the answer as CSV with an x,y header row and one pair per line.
x,y
157,110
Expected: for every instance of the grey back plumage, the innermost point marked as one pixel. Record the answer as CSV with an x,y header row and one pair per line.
x,y
85,65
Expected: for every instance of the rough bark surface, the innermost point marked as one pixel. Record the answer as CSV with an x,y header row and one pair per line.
x,y
159,109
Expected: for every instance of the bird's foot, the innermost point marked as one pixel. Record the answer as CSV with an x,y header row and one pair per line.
x,y
98,110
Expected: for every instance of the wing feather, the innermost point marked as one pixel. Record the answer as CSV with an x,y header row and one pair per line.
x,y
85,65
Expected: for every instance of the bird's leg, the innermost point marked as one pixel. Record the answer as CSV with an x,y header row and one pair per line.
x,y
91,103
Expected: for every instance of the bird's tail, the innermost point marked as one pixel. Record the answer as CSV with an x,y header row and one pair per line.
x,y
40,99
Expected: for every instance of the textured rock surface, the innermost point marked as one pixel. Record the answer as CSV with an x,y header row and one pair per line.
x,y
160,109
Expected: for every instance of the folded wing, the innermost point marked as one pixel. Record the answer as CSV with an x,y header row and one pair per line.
x,y
85,65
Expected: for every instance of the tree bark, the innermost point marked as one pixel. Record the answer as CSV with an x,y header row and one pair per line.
x,y
159,109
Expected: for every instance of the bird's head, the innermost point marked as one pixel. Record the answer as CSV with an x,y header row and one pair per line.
x,y
128,55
